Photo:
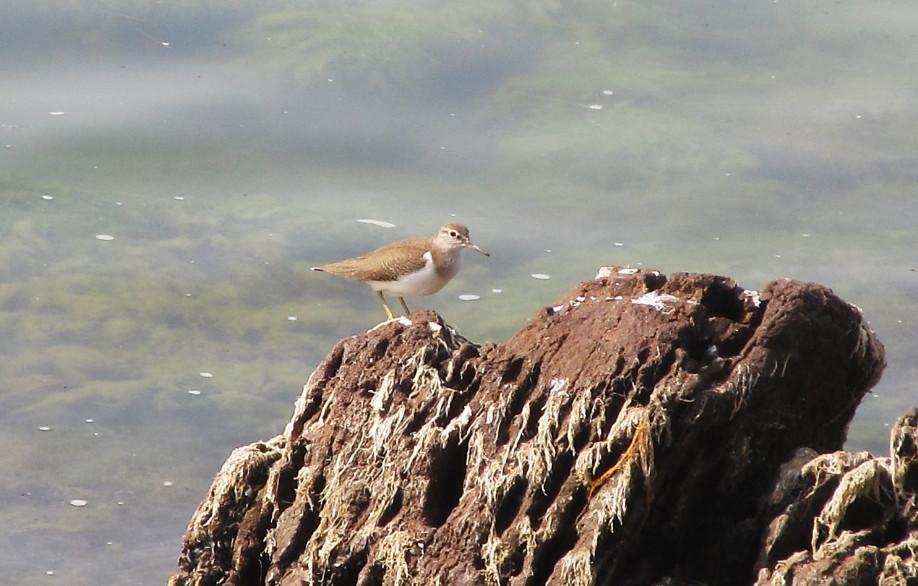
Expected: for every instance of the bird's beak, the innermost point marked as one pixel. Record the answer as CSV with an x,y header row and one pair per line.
x,y
474,247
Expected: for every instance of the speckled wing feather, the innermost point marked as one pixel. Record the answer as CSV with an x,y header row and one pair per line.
x,y
385,263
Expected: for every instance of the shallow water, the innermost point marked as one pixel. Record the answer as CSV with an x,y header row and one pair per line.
x,y
222,149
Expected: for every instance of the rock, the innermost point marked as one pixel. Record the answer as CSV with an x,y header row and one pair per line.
x,y
632,433
848,519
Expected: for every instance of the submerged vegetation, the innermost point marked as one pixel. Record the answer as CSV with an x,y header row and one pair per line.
x,y
226,147
577,116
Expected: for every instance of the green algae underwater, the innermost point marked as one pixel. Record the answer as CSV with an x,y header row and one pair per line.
x,y
170,171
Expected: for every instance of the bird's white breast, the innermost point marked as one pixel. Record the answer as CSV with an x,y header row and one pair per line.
x,y
424,282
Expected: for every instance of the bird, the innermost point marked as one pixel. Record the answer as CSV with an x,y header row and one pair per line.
x,y
417,266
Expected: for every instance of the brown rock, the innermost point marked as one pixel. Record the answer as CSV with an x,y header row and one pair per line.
x,y
847,519
630,434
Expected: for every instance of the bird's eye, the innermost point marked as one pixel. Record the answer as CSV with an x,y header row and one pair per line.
x,y
453,234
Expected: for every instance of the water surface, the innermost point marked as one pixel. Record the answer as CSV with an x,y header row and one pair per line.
x,y
221,149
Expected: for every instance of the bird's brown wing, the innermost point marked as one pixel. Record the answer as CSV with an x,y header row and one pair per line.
x,y
383,264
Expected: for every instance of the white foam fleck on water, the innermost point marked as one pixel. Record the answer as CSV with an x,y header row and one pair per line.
x,y
379,223
207,375
469,297
540,276
78,503
105,237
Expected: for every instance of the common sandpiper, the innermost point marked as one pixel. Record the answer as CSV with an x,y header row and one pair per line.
x,y
417,266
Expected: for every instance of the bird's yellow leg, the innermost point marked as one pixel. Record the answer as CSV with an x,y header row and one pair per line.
x,y
385,305
404,306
